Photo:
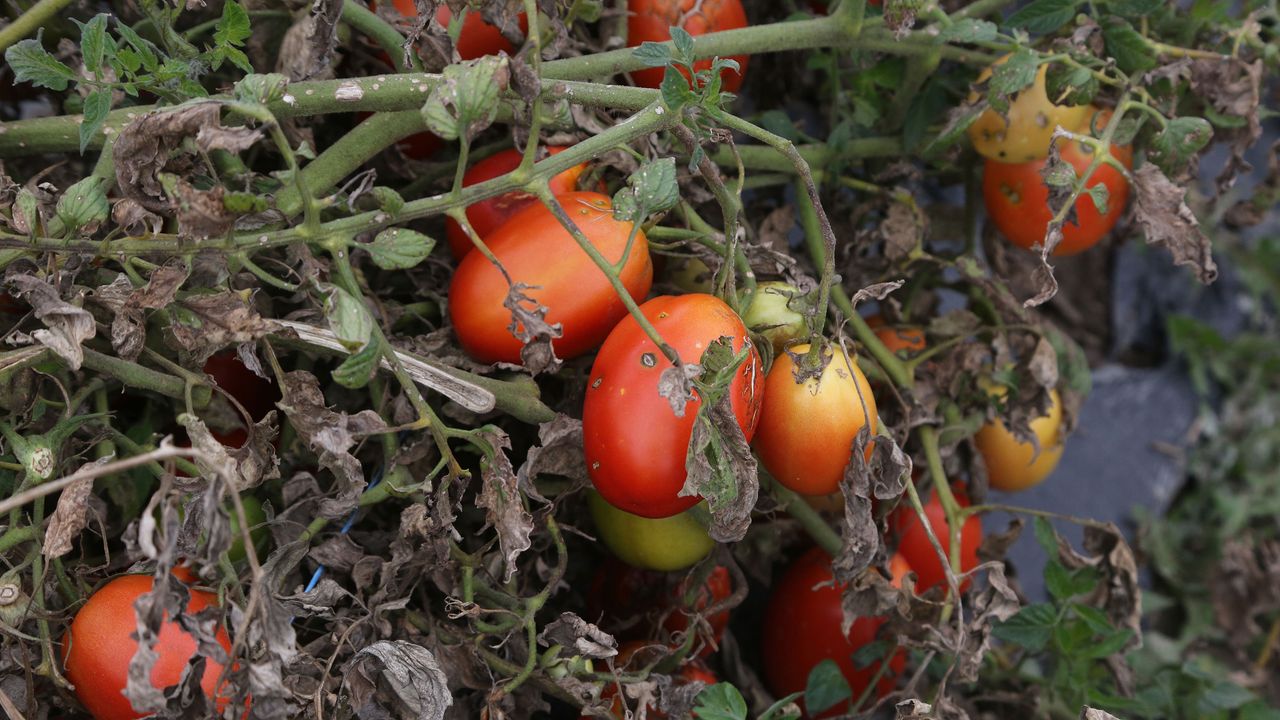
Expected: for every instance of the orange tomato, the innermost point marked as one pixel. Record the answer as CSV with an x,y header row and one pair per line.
x,y
899,340
652,20
535,249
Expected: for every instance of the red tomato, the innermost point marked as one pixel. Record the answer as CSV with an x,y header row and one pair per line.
x,y
1017,199
802,628
98,647
807,429
635,445
488,215
652,20
477,38
257,395
914,545
629,601
536,250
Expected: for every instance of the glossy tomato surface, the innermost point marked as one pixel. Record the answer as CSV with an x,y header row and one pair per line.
x,y
802,628
652,20
671,543
1025,131
1017,199
98,647
915,548
1013,465
806,429
535,249
635,445
488,215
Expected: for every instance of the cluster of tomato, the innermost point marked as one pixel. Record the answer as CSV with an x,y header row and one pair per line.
x,y
1016,148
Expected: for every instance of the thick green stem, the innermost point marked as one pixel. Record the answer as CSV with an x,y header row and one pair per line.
x,y
812,522
30,21
137,376
388,38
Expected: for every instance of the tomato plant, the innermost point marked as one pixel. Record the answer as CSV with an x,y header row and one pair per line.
x,y
807,428
629,430
1025,130
776,313
914,546
652,20
488,215
1017,198
476,38
802,628
536,250
99,645
670,543
1014,465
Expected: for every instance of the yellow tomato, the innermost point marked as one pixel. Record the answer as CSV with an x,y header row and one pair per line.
x,y
1014,465
1025,134
806,430
670,543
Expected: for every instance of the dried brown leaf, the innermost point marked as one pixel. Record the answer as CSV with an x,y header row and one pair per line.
x,y
67,325
503,503
395,678
71,515
1160,209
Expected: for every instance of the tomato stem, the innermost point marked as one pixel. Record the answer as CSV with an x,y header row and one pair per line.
x,y
795,506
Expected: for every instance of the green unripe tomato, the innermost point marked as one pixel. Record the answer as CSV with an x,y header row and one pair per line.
x,y
670,543
774,313
256,518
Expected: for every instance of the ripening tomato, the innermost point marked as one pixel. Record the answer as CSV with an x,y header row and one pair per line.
x,y
1025,133
914,545
652,20
671,543
775,313
635,445
488,215
257,395
535,249
1013,465
802,628
807,429
1017,199
97,648
900,340
633,603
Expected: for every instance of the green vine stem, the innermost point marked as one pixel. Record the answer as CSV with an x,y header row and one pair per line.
x,y
36,17
137,376
380,31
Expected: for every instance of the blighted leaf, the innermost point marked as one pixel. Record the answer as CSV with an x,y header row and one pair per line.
x,y
1013,75
1118,594
529,325
146,146
900,15
308,48
243,467
558,452
676,383
331,435
465,101
232,139
579,637
650,189
1161,211
349,318
719,463
83,207
66,326
399,248
31,63
201,213
134,219
397,679
72,514
501,499
207,323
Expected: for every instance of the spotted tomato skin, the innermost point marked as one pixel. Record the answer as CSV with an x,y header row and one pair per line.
x,y
635,445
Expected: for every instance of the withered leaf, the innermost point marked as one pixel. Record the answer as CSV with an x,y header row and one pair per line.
x,y
878,291
503,503
135,219
1117,593
231,139
67,325
216,320
144,147
71,515
675,383
558,452
903,230
201,213
395,678
530,327
579,637
307,51
722,469
1160,209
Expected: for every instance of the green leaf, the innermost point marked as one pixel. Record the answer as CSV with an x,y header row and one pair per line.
x,y
676,92
1100,196
233,27
1057,580
31,63
348,317
1014,74
957,124
826,687
148,54
721,701
1224,695
93,42
926,107
1059,174
1031,627
399,248
83,204
1044,16
1179,141
1046,536
1135,8
1070,85
651,188
389,201
1109,645
261,88
465,102
1130,49
356,371
1095,618
652,54
683,43
96,108
969,30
